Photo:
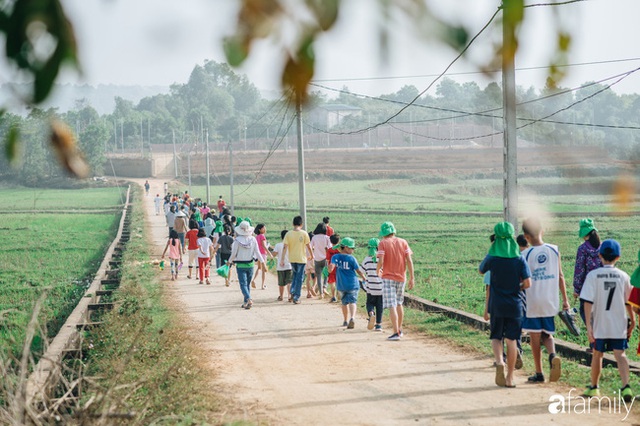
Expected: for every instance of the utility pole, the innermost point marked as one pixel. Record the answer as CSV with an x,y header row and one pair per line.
x,y
301,189
115,136
510,162
141,141
122,135
208,173
175,156
233,205
189,167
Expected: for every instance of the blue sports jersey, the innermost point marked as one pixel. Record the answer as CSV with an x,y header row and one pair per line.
x,y
504,291
346,266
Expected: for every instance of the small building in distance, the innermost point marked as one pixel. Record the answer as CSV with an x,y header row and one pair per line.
x,y
328,116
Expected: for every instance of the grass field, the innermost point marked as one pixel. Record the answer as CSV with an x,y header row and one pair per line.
x,y
37,199
424,194
447,248
56,253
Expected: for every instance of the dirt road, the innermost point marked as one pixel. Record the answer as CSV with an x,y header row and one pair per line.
x,y
295,364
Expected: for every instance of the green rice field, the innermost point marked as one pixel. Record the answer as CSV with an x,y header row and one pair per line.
x,y
52,252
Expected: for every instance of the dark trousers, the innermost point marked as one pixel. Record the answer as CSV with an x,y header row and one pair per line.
x,y
375,302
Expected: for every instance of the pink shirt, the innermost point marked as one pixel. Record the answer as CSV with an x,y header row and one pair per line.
x,y
174,250
261,240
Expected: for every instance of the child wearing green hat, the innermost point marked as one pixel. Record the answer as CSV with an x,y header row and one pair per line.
x,y
587,258
373,286
605,293
509,274
394,262
347,267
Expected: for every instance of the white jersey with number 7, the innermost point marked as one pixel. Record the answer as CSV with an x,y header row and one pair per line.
x,y
608,288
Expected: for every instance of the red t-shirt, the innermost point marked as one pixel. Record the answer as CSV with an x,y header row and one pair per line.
x,y
192,238
332,275
329,231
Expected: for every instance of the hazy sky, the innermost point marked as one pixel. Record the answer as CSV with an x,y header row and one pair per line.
x,y
158,42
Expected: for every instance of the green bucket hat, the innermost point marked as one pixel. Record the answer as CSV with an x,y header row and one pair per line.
x,y
586,226
248,219
219,227
635,277
239,220
348,242
387,228
373,247
505,245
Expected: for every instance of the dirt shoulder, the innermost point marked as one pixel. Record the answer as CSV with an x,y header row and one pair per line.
x,y
295,364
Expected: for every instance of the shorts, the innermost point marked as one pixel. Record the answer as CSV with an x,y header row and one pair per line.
x,y
604,345
350,296
508,328
392,293
193,258
285,277
224,257
539,325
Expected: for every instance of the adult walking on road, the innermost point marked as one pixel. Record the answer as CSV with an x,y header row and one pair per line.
x,y
297,246
394,260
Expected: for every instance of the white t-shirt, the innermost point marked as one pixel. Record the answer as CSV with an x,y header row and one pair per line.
x,y
542,297
204,244
320,243
278,249
608,288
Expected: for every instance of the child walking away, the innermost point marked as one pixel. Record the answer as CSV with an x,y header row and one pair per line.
x,y
175,253
587,258
205,250
331,279
542,298
309,273
634,298
192,246
346,267
283,267
225,243
373,286
263,246
509,274
320,243
605,294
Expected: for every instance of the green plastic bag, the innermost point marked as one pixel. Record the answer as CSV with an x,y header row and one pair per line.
x,y
223,271
325,272
271,263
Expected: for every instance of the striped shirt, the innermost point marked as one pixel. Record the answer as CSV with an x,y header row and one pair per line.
x,y
373,285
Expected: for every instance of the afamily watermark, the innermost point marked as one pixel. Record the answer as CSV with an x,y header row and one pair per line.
x,y
573,403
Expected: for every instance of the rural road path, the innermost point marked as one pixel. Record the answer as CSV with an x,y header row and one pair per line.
x,y
295,364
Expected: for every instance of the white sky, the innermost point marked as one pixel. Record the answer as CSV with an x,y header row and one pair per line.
x,y
158,42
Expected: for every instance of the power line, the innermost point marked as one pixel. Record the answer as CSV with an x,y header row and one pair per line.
x,y
401,77
462,52
483,113
274,147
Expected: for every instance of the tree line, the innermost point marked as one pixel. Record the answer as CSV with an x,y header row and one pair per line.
x,y
229,107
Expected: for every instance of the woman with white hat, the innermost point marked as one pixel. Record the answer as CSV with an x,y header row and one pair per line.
x,y
243,252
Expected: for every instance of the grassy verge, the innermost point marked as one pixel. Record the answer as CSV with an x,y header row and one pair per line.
x,y
142,360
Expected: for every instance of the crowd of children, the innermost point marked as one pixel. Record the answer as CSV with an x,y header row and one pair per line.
x,y
525,282
525,285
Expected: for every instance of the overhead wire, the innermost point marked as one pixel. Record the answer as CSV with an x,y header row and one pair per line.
x,y
462,52
482,113
539,67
